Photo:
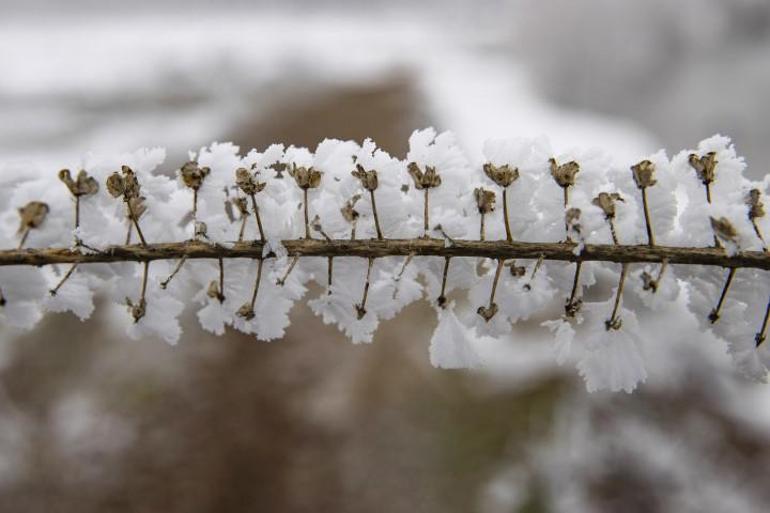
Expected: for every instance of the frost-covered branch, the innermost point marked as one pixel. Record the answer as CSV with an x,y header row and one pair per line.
x,y
378,233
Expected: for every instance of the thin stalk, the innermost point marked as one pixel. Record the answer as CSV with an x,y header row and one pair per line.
x,y
441,297
613,231
647,220
221,296
282,281
24,236
614,322
128,232
376,217
361,307
482,234
259,219
508,235
426,214
3,301
329,274
762,334
401,272
307,216
242,231
66,276
715,313
256,285
528,286
195,206
136,223
573,303
77,218
176,270
759,233
491,309
566,202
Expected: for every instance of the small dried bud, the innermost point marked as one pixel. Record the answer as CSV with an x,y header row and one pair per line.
x,y
369,180
754,201
644,174
485,200
83,185
564,174
126,185
242,205
572,307
606,202
724,229
424,180
572,218
648,282
704,166
201,230
246,312
32,215
193,175
306,177
247,182
487,312
349,212
503,175
115,185
517,271
137,207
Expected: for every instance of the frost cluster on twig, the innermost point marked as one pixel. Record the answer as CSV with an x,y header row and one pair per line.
x,y
356,193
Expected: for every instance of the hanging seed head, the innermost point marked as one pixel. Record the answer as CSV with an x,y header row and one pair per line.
x,y
564,174
213,291
247,182
193,175
137,310
503,175
517,271
348,211
369,180
754,201
487,312
704,166
246,312
424,180
306,177
606,202
572,307
648,282
613,324
644,174
485,200
83,185
724,229
32,215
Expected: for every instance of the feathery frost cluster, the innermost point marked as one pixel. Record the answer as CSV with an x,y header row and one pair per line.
x,y
698,198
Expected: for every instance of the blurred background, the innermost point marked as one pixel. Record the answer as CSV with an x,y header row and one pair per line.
x,y
90,421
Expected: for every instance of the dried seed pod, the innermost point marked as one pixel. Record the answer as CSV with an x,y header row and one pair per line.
x,y
427,179
248,182
305,177
137,208
606,202
193,175
32,215
246,311
644,174
485,200
83,185
116,185
724,229
564,174
368,179
704,166
349,213
213,291
502,175
487,312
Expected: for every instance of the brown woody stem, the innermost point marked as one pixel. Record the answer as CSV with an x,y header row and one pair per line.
x,y
361,308
441,297
426,214
135,221
508,235
66,277
715,313
259,219
376,217
762,334
614,321
281,281
647,220
176,270
307,216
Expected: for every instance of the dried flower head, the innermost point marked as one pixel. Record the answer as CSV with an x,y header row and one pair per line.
x,y
247,182
369,180
503,175
427,179
644,174
724,229
306,177
83,185
704,166
606,201
138,309
213,291
485,200
754,201
193,175
349,212
487,312
564,174
649,282
246,312
32,215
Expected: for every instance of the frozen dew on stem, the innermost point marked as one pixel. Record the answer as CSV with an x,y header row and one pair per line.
x,y
381,233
